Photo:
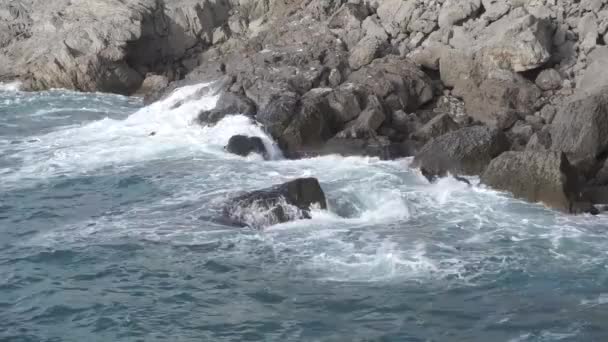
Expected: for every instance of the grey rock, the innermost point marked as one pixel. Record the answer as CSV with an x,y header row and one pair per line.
x,y
398,81
281,203
548,113
580,128
454,12
437,126
540,141
549,79
365,52
538,176
601,176
228,104
466,151
517,44
498,101
370,119
455,65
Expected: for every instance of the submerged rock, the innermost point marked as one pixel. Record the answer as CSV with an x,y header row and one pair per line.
x,y
466,151
243,146
281,203
228,104
538,176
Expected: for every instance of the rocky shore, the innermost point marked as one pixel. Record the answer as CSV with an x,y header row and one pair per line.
x,y
513,91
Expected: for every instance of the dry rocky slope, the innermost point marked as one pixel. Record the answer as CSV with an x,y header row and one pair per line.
x,y
473,87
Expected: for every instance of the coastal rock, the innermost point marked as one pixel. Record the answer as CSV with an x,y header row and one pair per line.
x,y
379,147
368,121
500,99
281,203
398,81
538,176
437,126
228,104
466,151
243,146
454,12
580,128
516,43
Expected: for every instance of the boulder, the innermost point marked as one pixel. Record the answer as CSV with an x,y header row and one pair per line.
x,y
540,141
370,119
580,128
466,151
437,126
596,194
455,65
311,125
228,104
277,114
345,103
365,52
549,79
601,176
281,203
538,176
398,81
453,12
500,99
517,43
243,146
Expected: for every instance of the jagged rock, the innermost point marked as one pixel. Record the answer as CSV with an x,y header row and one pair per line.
x,y
243,146
311,125
104,46
345,103
277,114
398,81
370,119
540,141
228,104
428,56
151,86
407,16
580,128
286,202
437,126
495,9
549,79
548,113
499,100
454,12
455,65
516,43
596,74
365,52
538,176
466,151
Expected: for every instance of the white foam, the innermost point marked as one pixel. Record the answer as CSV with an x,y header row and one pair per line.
x,y
10,87
165,129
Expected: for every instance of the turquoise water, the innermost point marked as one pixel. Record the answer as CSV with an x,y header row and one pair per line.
x,y
110,234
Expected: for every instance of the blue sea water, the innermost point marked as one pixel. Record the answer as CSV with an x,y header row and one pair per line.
x,y
108,233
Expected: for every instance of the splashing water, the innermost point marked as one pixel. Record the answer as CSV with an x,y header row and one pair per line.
x,y
111,233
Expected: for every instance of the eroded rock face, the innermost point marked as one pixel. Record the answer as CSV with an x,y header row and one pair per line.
x,y
281,203
538,176
580,128
466,151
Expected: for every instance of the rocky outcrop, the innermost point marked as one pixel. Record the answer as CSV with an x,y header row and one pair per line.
x,y
580,128
466,151
538,176
286,202
243,146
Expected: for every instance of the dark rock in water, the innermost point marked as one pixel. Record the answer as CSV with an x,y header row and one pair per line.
x,y
597,194
379,147
152,134
539,176
286,202
228,104
601,176
243,146
580,128
466,151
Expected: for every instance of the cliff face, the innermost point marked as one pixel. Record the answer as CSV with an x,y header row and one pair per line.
x,y
379,77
